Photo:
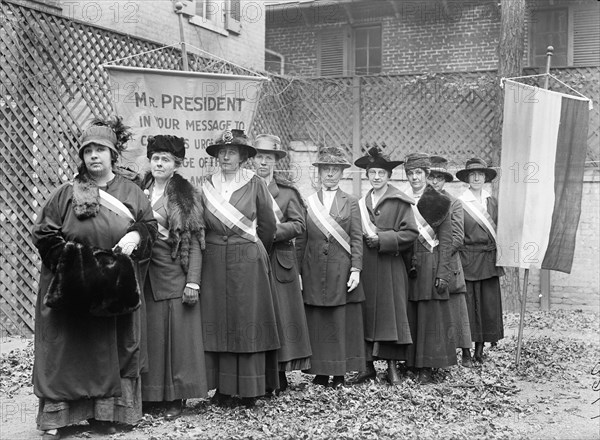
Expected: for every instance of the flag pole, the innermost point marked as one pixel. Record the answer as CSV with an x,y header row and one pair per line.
x,y
549,52
179,12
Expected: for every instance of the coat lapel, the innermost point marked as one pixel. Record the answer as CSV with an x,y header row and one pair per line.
x,y
339,203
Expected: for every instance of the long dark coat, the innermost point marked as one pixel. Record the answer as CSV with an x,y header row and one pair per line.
x,y
237,299
295,343
384,276
325,265
79,355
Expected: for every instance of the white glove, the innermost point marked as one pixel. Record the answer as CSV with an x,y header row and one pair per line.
x,y
128,242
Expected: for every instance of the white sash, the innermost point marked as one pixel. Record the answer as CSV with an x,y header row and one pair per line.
x,y
229,214
367,225
115,205
326,223
276,210
480,215
427,235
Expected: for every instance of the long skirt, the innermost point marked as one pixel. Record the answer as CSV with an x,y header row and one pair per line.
x,y
126,409
484,301
242,374
176,365
460,320
336,339
432,333
385,351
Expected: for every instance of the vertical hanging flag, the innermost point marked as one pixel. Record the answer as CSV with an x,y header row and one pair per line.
x,y
544,142
193,105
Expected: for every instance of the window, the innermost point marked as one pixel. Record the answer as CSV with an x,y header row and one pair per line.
x,y
220,16
574,32
349,51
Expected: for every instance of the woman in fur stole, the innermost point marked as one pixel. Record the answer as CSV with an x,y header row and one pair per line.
x,y
176,366
93,234
429,309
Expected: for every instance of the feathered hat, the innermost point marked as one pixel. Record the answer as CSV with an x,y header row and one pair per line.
x,y
233,138
376,159
332,156
111,133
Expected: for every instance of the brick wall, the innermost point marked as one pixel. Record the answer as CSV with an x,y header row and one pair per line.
x,y
157,21
578,290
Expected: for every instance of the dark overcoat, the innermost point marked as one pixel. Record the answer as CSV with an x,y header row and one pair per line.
x,y
325,265
384,276
237,293
457,281
81,355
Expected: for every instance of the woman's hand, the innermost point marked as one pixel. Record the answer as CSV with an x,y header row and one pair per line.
x,y
128,242
373,242
190,295
353,280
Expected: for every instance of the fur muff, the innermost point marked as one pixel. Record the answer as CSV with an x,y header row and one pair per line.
x,y
185,214
433,206
91,280
86,196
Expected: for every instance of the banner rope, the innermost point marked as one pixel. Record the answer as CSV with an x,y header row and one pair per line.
x,y
142,53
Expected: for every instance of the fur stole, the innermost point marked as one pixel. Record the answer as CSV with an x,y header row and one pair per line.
x,y
433,206
282,181
92,280
86,197
185,214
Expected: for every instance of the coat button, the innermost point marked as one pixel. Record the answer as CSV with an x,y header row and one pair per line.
x,y
325,252
225,237
377,212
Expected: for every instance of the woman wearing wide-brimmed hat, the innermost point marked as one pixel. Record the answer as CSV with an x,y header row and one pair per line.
x,y
438,177
290,214
389,229
330,255
176,366
478,256
94,234
241,336
431,272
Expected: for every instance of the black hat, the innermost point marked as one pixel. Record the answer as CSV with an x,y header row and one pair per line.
x,y
476,164
417,160
439,165
166,143
376,159
269,143
233,138
332,156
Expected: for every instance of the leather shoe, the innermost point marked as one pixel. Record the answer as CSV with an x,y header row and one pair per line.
x,y
466,358
424,376
393,376
173,409
364,376
478,352
220,399
283,382
321,380
102,426
47,436
248,402
338,382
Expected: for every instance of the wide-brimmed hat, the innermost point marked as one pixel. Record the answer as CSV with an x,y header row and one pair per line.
x,y
476,164
417,160
164,143
376,159
269,143
332,156
439,165
100,135
231,138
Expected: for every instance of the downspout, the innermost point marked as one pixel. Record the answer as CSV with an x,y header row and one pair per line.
x,y
280,56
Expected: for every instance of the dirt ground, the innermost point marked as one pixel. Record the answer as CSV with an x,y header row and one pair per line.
x,y
554,394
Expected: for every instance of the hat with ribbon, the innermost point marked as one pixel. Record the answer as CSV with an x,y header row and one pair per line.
x,y
99,135
439,166
231,138
332,156
476,164
376,159
165,143
269,143
417,160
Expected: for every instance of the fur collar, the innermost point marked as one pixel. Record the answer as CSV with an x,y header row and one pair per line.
x,y
86,197
433,206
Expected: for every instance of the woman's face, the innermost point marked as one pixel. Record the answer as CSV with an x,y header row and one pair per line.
x,y
229,159
330,175
436,180
265,162
97,160
417,179
378,177
476,180
162,166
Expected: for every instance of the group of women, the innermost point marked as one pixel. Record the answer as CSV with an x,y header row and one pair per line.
x,y
157,291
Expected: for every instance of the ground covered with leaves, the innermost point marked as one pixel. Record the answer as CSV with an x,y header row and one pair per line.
x,y
496,400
